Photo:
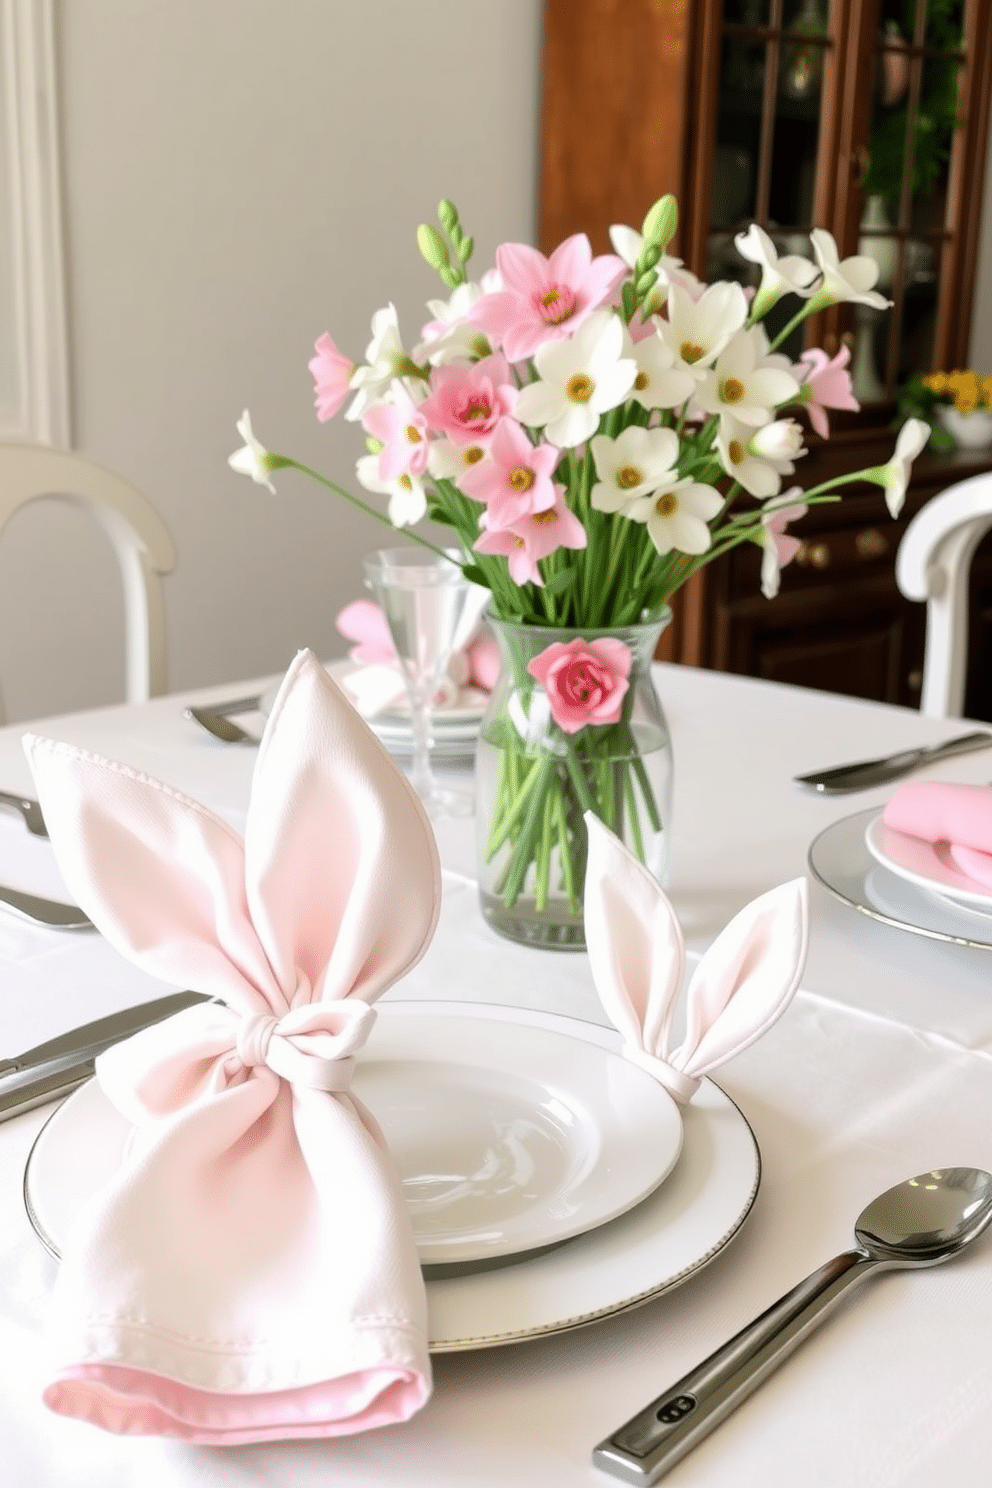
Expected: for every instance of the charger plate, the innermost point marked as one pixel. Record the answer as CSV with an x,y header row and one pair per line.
x,y
673,1232
839,859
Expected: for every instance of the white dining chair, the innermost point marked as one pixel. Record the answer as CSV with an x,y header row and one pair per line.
x,y
933,564
141,541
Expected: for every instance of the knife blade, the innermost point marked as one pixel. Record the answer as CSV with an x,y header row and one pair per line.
x,y
56,1067
40,911
30,810
218,724
863,775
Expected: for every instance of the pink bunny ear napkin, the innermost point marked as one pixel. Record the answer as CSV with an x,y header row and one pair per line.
x,y
250,1273
743,984
945,811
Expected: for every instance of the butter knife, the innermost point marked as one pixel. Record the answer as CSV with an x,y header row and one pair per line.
x,y
218,720
51,1070
868,773
39,911
30,810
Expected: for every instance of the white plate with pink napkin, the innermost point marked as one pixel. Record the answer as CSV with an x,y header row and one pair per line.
x,y
507,1137
938,836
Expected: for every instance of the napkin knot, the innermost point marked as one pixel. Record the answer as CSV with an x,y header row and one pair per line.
x,y
253,1038
312,1046
680,1086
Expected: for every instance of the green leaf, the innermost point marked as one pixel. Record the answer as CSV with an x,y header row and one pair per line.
x,y
475,575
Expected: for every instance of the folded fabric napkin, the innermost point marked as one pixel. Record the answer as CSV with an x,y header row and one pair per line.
x,y
378,683
943,811
250,1273
743,984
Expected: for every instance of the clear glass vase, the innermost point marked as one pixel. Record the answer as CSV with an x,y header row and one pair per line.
x,y
535,779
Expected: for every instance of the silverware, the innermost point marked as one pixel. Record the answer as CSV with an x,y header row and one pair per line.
x,y
926,1220
867,773
30,810
39,911
53,1069
218,719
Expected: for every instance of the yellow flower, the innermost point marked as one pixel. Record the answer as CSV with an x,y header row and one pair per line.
x,y
936,382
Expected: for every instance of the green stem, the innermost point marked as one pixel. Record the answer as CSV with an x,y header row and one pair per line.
x,y
364,506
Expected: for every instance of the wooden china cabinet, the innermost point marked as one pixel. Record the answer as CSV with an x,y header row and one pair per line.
x,y
870,118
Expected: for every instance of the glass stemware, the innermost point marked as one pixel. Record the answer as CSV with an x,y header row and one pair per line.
x,y
423,597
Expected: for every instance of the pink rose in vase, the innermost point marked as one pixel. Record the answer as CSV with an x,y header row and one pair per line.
x,y
585,680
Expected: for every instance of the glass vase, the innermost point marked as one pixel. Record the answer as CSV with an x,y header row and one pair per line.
x,y
536,777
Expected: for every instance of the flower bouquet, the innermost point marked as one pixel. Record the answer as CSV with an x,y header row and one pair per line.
x,y
594,429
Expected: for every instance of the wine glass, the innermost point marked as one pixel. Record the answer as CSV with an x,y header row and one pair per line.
x,y
423,596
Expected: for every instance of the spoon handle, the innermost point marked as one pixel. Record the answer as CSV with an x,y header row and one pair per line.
x,y
661,1434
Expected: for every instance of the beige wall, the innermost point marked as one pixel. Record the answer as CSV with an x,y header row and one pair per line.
x,y
980,357
239,176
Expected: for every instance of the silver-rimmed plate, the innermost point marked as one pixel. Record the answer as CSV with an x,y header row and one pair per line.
x,y
839,859
673,1233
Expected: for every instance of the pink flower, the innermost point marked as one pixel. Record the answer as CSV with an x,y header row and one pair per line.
x,y
467,402
332,373
532,538
365,623
826,385
585,680
403,432
545,298
516,480
483,662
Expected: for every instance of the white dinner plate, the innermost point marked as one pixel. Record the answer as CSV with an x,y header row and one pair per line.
x,y
928,865
673,1233
839,859
507,1137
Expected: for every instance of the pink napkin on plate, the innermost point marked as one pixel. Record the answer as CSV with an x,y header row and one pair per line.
x,y
944,811
741,986
250,1273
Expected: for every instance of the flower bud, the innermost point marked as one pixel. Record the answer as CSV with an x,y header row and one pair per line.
x,y
431,246
661,223
781,440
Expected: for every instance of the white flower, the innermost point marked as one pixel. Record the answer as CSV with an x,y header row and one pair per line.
x,y
760,474
447,460
254,458
627,242
658,383
580,378
385,358
636,462
698,330
777,547
407,501
850,280
449,336
894,476
742,383
678,518
779,276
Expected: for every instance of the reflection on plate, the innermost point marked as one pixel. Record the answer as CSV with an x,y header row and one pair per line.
x,y
667,1238
839,859
507,1137
929,865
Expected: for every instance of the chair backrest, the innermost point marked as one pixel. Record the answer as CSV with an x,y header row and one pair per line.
x,y
142,542
933,564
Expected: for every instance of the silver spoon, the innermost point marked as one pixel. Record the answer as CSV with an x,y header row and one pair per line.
x,y
926,1220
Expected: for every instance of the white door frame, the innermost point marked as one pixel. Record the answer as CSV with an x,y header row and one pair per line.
x,y
34,370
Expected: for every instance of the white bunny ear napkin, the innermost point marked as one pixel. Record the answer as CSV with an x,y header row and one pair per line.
x,y
742,985
250,1273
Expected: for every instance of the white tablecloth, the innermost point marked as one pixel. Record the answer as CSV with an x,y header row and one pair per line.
x,y
881,1068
